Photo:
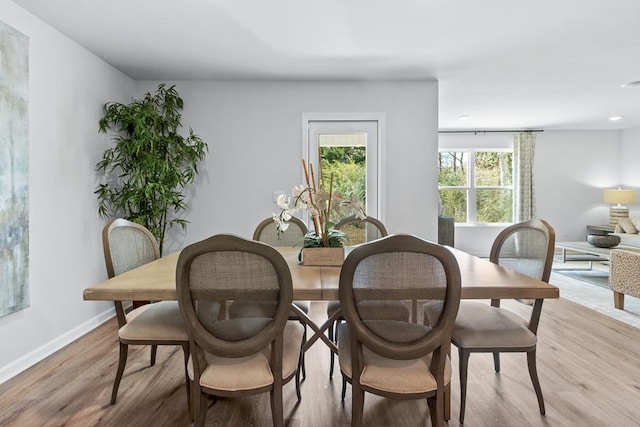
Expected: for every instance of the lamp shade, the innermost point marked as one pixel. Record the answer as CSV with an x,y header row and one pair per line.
x,y
620,196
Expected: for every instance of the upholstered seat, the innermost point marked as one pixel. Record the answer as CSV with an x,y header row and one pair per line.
x,y
251,372
480,325
408,376
154,322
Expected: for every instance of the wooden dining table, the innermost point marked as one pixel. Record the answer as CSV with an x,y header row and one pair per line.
x,y
481,279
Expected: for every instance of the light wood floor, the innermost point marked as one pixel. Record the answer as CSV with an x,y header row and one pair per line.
x,y
588,364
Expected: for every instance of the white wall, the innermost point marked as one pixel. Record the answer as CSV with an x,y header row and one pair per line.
x,y
571,170
255,139
67,88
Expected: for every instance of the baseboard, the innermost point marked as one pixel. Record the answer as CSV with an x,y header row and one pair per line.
x,y
40,353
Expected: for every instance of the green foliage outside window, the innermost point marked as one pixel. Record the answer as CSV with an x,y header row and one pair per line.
x,y
349,168
490,182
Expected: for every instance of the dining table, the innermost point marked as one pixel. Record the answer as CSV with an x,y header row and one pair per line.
x,y
481,279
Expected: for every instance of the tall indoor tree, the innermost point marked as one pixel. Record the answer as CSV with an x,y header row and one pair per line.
x,y
146,172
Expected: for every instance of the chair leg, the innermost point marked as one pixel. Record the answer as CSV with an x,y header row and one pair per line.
x,y
201,408
436,409
357,405
154,350
297,379
277,411
124,349
331,355
344,387
496,361
533,373
463,356
302,364
186,352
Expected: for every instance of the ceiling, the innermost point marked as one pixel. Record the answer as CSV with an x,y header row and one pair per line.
x,y
544,64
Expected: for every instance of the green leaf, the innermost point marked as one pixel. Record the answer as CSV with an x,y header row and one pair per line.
x,y
150,165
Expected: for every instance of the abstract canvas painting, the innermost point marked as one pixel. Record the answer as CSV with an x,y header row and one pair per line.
x,y
14,170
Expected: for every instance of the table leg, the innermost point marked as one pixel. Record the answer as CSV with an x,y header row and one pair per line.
x,y
319,331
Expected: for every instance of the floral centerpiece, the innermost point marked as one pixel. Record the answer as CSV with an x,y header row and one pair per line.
x,y
323,205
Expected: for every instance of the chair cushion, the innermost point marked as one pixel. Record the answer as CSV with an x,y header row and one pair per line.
x,y
389,375
251,372
160,321
479,325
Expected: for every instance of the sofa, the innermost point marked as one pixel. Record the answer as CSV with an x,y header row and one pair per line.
x,y
628,229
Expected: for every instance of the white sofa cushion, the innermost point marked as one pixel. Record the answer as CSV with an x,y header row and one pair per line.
x,y
627,226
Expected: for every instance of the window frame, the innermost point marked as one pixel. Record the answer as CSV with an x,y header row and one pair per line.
x,y
471,188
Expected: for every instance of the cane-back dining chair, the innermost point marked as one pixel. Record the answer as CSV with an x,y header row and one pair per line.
x,y
128,245
526,248
402,359
359,231
245,355
293,236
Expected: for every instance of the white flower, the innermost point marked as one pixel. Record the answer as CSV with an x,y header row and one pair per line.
x,y
281,224
283,201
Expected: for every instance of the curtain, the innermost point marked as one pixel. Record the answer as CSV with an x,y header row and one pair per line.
x,y
524,144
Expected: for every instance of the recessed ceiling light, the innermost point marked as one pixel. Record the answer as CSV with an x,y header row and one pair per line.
x,y
464,117
632,85
615,118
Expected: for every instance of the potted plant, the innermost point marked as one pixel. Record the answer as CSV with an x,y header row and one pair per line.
x,y
151,164
323,206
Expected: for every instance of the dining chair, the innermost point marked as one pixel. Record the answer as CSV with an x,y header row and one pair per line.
x,y
526,248
359,231
128,245
401,359
240,356
293,236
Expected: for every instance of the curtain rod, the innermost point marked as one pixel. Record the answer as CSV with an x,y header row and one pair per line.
x,y
492,131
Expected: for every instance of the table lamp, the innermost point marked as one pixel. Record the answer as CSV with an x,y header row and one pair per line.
x,y
619,197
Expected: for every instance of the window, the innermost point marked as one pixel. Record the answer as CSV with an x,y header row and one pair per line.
x,y
482,193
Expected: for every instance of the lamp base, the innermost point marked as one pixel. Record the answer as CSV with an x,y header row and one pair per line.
x,y
616,213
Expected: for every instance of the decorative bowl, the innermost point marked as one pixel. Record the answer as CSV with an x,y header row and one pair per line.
x,y
603,241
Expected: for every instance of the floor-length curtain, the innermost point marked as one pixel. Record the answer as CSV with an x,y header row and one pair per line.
x,y
524,145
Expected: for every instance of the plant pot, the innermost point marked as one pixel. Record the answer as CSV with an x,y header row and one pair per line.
x,y
323,256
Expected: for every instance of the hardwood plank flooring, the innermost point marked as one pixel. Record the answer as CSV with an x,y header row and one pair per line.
x,y
587,362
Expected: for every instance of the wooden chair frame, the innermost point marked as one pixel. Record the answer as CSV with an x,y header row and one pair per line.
x,y
201,340
120,311
436,342
464,353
